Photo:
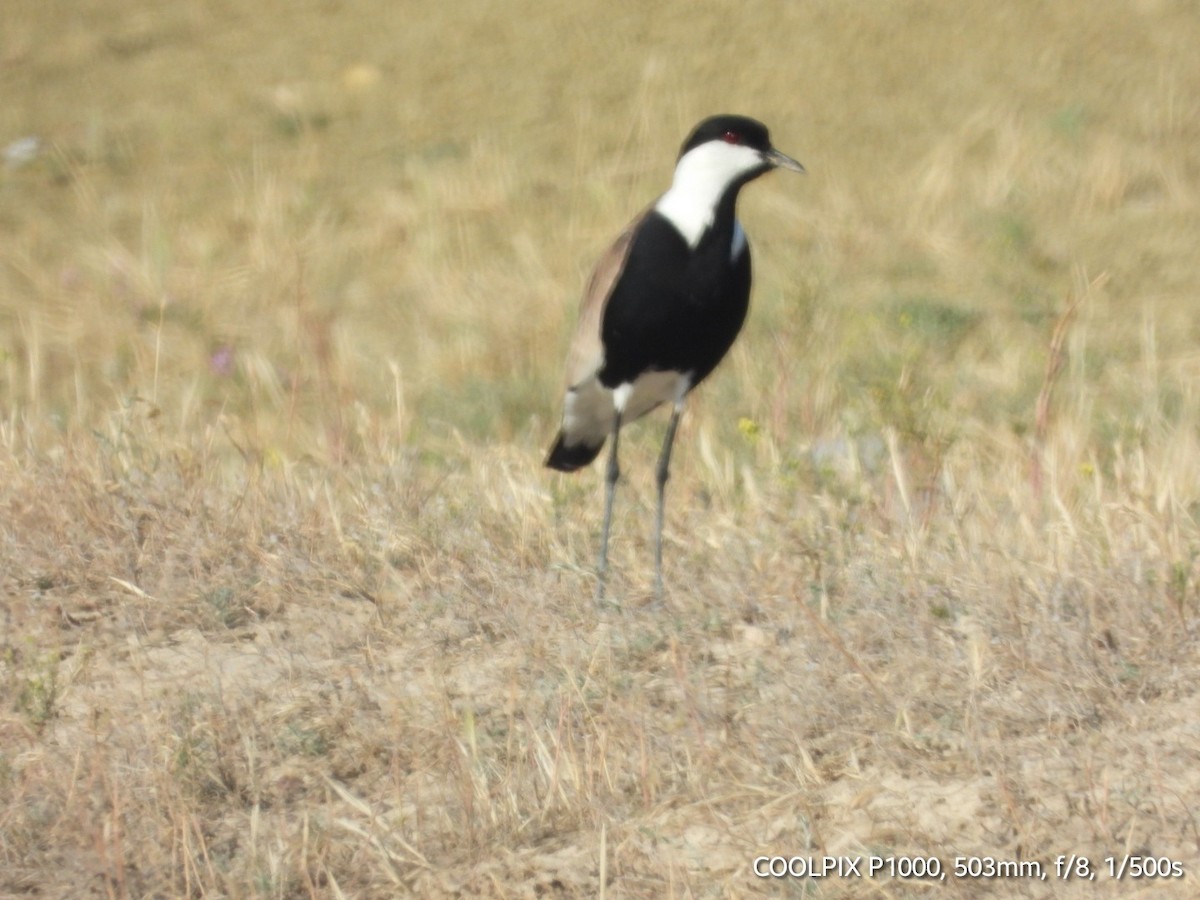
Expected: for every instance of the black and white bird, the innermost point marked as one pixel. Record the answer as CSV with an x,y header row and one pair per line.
x,y
663,307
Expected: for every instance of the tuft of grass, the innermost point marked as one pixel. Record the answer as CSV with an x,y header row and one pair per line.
x,y
939,326
37,690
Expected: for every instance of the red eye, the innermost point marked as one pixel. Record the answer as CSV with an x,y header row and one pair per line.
x,y
731,137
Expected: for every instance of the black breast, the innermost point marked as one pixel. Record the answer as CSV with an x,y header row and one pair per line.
x,y
675,308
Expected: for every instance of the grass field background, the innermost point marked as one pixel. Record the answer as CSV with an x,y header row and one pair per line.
x,y
291,608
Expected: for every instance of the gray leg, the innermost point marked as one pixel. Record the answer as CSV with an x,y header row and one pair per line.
x,y
611,475
664,472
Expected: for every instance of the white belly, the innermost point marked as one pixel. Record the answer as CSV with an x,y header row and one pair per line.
x,y
590,407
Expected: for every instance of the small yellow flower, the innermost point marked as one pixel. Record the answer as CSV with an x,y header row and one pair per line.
x,y
749,429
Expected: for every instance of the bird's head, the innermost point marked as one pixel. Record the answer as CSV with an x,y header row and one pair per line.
x,y
729,150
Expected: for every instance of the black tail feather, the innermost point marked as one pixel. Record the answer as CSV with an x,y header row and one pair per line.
x,y
568,457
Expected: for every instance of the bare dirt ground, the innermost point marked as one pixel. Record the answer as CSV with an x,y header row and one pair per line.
x,y
251,706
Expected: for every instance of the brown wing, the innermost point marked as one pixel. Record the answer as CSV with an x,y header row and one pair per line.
x,y
586,353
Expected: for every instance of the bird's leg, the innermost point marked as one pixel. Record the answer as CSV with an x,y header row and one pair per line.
x,y
664,472
611,475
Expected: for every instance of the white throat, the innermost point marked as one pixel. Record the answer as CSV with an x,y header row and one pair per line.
x,y
702,177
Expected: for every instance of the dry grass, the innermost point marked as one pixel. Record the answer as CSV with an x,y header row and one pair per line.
x,y
290,608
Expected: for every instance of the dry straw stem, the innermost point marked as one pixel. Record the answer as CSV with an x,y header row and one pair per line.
x,y
288,607
1054,362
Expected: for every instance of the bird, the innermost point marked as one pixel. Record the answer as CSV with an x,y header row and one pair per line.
x,y
663,306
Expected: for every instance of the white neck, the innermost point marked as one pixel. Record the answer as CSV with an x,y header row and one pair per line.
x,y
702,177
